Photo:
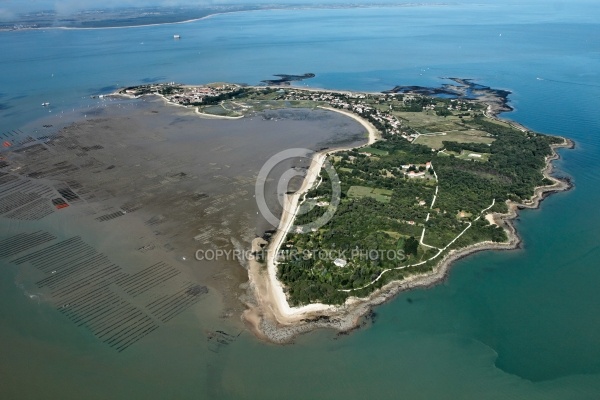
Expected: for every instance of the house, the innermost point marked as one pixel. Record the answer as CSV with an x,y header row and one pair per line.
x,y
413,174
340,262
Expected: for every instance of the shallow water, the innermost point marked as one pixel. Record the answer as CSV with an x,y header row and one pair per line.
x,y
520,324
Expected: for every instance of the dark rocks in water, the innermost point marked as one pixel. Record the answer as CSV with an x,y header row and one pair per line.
x,y
372,316
422,90
285,79
197,290
320,318
267,236
464,89
218,339
199,196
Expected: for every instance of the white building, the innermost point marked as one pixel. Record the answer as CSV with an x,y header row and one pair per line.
x,y
339,262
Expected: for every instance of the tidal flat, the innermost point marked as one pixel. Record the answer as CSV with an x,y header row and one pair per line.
x,y
117,204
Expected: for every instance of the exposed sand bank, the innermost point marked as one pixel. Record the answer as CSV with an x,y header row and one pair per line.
x,y
212,116
170,183
271,308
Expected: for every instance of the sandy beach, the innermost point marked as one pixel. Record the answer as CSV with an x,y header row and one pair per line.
x,y
272,305
268,312
270,316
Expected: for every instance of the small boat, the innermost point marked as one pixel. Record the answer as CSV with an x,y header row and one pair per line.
x,y
176,36
45,104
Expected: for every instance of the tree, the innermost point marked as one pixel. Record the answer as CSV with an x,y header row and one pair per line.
x,y
411,245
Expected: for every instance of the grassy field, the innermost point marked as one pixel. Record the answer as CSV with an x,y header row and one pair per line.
x,y
262,105
382,195
470,136
217,110
377,152
234,108
471,155
429,122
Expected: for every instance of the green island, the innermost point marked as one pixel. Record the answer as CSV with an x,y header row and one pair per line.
x,y
441,169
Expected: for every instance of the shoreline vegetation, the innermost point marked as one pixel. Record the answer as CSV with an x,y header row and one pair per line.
x,y
401,113
136,17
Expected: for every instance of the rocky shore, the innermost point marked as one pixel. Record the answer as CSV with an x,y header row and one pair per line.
x,y
263,318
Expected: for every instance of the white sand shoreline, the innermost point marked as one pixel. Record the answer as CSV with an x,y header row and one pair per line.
x,y
269,292
270,316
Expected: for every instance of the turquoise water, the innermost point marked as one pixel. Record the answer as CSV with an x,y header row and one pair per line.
x,y
521,324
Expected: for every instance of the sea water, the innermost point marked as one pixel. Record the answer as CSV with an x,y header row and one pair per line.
x,y
519,324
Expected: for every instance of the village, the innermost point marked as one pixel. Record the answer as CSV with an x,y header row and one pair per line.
x,y
182,94
224,99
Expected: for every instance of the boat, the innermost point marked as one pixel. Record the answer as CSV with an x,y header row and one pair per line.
x,y
176,36
45,104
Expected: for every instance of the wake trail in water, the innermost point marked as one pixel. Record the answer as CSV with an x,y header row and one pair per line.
x,y
568,82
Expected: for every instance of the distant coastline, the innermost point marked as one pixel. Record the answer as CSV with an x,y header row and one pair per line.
x,y
164,16
108,26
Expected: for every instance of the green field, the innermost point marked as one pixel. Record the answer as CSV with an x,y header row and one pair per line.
x,y
429,122
472,155
382,195
217,110
470,136
235,108
377,152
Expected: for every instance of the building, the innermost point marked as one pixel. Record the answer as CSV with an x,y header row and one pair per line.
x,y
340,262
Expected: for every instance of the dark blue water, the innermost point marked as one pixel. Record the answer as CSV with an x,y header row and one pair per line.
x,y
521,324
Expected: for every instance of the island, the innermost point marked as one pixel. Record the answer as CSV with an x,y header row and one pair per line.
x,y
441,177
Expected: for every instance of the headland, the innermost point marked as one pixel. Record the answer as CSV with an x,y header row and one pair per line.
x,y
440,178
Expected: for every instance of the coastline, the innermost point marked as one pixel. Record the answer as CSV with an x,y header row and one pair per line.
x,y
170,103
267,293
187,21
269,315
214,14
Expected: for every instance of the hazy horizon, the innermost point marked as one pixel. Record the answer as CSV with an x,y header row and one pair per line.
x,y
11,9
